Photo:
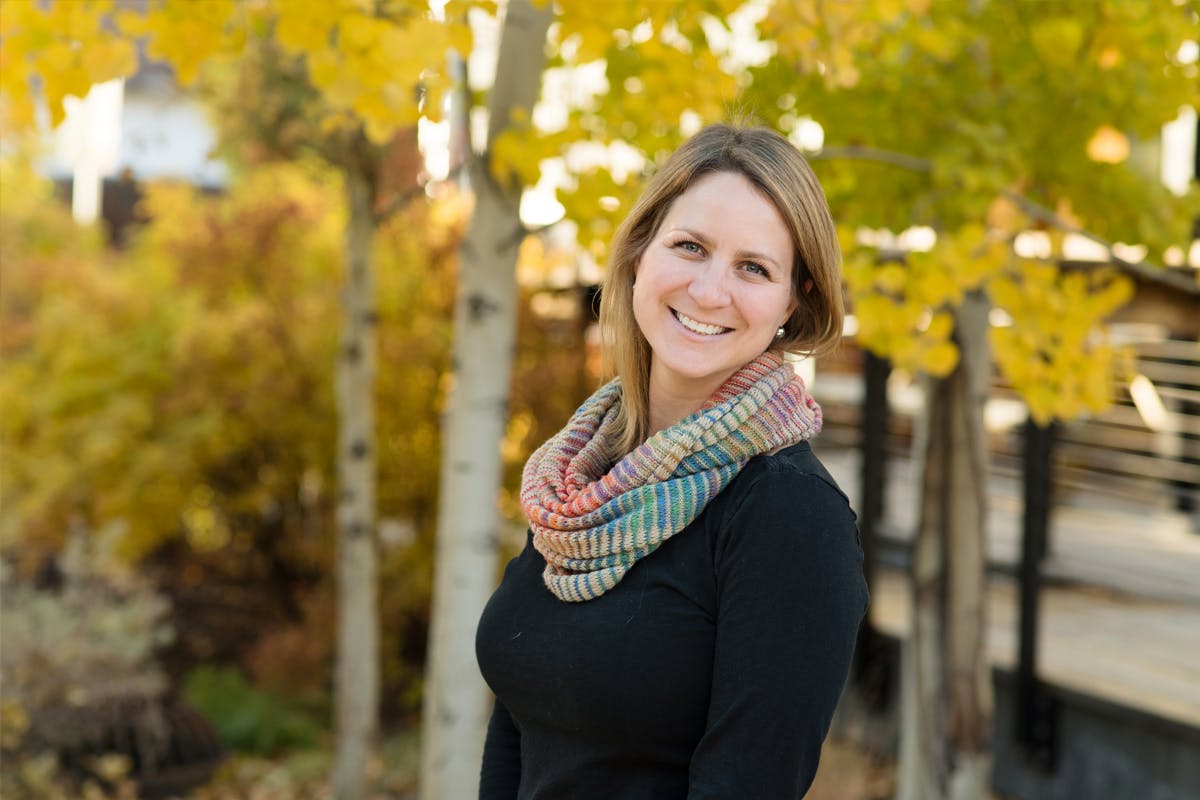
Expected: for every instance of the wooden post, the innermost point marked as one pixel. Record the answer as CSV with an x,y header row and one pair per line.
x,y
872,672
946,687
1035,713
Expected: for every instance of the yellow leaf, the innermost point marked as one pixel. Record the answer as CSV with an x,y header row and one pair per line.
x,y
323,65
940,326
903,352
461,38
940,359
891,278
380,131
131,23
359,32
108,60
301,34
345,90
1040,400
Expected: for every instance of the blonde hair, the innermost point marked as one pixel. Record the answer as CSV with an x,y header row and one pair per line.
x,y
780,172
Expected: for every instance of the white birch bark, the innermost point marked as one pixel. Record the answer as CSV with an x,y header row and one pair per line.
x,y
465,565
946,688
357,671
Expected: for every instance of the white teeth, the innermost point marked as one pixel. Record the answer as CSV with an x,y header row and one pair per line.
x,y
699,327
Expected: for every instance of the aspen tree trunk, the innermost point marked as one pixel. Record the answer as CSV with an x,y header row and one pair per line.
x,y
946,693
357,674
456,699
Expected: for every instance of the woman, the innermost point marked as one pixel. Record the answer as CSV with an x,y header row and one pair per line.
x,y
681,620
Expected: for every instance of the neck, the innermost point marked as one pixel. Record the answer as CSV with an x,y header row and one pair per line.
x,y
671,400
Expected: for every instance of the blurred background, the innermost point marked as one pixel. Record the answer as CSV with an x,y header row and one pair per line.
x,y
290,290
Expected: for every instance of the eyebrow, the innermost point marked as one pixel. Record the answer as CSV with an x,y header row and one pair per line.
x,y
707,242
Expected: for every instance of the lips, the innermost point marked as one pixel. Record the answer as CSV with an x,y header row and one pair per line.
x,y
696,326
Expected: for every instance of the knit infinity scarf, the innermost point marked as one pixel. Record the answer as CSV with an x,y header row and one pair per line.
x,y
593,519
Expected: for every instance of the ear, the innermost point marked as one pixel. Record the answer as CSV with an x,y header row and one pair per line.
x,y
808,286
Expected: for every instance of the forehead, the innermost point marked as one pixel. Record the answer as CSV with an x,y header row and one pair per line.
x,y
727,205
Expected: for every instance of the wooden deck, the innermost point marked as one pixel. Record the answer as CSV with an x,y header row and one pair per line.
x,y
1139,653
1095,539
1123,623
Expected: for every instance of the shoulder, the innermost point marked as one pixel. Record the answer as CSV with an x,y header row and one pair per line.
x,y
786,511
790,482
788,533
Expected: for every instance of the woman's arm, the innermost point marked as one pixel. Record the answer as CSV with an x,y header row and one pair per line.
x,y
500,776
791,595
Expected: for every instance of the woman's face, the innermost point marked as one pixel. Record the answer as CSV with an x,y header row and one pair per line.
x,y
713,286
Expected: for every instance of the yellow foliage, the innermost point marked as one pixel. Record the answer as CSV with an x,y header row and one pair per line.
x,y
933,113
1057,39
941,325
373,66
891,278
1056,354
66,46
185,383
939,359
829,39
385,68
187,34
903,309
661,68
511,163
307,33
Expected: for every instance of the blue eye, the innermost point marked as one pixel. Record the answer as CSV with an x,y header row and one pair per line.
x,y
690,246
757,269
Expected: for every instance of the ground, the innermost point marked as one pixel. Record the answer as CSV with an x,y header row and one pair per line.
x,y
848,773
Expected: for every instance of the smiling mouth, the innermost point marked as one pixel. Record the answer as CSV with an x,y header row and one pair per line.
x,y
696,326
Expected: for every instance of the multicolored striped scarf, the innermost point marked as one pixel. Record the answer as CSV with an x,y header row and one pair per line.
x,y
593,519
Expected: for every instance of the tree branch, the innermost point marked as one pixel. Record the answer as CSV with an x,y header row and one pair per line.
x,y
540,229
1146,270
402,199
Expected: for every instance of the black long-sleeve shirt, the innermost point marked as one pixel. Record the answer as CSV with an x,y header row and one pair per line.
x,y
711,671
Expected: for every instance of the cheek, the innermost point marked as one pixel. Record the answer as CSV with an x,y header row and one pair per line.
x,y
779,310
649,282
638,292
640,303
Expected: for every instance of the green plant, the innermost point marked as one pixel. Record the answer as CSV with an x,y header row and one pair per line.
x,y
246,718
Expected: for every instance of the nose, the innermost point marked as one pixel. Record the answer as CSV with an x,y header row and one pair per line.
x,y
707,287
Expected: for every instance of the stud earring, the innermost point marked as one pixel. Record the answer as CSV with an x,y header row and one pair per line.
x,y
779,334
